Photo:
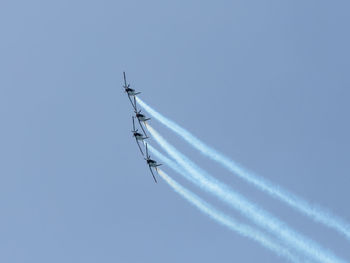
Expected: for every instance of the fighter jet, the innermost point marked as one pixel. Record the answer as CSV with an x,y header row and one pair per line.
x,y
151,163
131,92
140,117
138,136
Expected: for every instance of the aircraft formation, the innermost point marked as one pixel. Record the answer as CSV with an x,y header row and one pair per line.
x,y
140,136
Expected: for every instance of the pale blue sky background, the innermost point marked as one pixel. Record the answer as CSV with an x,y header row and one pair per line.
x,y
265,82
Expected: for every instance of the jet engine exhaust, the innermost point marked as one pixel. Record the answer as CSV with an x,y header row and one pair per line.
x,y
260,217
315,212
229,222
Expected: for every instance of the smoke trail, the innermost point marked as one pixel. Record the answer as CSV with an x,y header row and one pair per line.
x,y
251,211
229,222
318,214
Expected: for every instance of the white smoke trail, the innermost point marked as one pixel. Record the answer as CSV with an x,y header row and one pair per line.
x,y
251,211
229,222
317,213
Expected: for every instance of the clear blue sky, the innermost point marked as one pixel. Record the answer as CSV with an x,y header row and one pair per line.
x,y
265,82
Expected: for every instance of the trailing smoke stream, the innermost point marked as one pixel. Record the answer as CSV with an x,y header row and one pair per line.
x,y
245,207
229,222
318,214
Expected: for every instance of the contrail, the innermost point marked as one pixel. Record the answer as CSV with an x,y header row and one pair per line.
x,y
227,221
251,211
317,213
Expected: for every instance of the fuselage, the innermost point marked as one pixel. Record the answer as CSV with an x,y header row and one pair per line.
x,y
138,136
152,163
141,117
130,91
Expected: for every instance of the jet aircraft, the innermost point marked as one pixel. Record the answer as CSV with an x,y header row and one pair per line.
x,y
151,163
138,136
131,92
140,117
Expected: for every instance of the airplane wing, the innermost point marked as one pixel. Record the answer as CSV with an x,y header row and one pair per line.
x,y
152,174
134,106
142,127
124,79
133,123
139,146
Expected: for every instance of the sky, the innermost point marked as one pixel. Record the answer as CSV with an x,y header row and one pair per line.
x,y
265,82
